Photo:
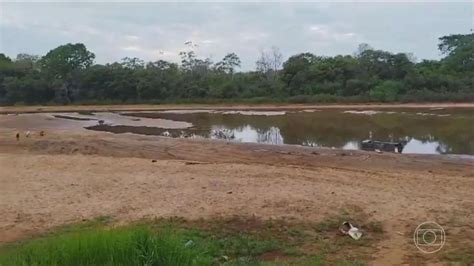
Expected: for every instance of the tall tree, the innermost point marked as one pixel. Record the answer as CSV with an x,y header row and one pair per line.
x,y
459,51
133,63
61,65
270,62
296,73
5,61
228,63
26,61
362,48
65,59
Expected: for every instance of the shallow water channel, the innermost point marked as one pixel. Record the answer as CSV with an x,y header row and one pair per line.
x,y
429,131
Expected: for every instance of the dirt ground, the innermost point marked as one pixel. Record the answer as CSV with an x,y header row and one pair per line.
x,y
68,176
148,107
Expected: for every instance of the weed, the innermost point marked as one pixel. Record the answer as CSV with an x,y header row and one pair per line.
x,y
375,227
175,241
463,256
124,246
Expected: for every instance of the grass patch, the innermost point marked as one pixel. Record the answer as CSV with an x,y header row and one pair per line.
x,y
175,241
463,256
124,246
375,227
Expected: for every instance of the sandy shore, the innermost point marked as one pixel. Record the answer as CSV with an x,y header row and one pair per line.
x,y
149,107
67,176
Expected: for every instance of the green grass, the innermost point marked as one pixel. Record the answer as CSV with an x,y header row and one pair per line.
x,y
463,256
173,241
124,246
416,96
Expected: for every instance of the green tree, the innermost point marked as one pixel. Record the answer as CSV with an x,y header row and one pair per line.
x,y
5,61
29,89
65,59
387,91
26,62
6,70
61,65
228,64
133,63
459,51
296,73
68,73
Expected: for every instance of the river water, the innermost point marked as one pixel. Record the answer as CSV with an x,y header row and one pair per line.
x,y
428,131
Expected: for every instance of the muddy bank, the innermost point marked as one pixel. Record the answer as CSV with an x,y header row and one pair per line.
x,y
144,107
205,150
79,121
427,131
67,176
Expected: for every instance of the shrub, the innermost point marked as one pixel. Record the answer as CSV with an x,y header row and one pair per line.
x,y
387,91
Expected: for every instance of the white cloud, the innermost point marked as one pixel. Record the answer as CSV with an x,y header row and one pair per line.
x,y
326,33
158,30
132,37
132,48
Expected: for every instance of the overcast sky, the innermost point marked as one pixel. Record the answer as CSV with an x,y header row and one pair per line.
x,y
153,31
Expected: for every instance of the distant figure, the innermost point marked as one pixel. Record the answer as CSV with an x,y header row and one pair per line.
x,y
41,133
17,136
28,134
101,122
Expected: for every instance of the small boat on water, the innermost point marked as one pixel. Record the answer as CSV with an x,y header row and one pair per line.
x,y
374,145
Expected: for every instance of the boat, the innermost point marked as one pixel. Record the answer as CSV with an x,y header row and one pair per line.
x,y
375,145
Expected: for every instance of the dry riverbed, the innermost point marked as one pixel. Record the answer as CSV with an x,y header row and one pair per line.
x,y
149,107
69,175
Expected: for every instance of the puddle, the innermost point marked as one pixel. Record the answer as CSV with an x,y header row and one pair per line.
x,y
226,112
368,112
265,113
372,112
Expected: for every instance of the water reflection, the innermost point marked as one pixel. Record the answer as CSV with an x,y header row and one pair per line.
x,y
443,131
351,145
273,135
249,134
424,147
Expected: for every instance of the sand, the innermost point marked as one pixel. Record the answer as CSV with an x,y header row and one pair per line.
x,y
200,107
67,176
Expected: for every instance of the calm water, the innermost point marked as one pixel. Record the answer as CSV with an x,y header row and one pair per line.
x,y
430,131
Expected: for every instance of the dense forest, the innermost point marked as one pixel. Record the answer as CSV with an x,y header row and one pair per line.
x,y
67,74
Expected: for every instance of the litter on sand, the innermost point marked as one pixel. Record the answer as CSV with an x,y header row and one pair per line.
x,y
348,229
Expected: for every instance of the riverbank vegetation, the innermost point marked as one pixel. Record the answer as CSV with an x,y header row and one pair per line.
x,y
233,241
68,74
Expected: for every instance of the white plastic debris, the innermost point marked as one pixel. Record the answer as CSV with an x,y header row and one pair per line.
x,y
348,229
190,243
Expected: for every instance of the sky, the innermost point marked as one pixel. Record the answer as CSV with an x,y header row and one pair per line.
x,y
159,30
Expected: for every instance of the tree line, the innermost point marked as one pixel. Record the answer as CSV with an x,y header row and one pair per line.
x,y
67,74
